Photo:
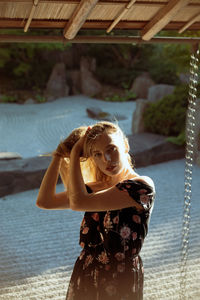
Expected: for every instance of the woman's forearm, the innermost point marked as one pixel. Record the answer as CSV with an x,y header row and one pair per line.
x,y
47,192
77,189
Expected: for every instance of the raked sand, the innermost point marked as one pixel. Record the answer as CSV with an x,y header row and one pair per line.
x,y
38,247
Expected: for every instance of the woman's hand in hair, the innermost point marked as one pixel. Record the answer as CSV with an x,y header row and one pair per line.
x,y
78,146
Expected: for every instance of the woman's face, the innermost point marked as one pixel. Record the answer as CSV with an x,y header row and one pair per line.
x,y
109,153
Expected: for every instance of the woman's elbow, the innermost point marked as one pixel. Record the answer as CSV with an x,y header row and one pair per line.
x,y
74,204
40,203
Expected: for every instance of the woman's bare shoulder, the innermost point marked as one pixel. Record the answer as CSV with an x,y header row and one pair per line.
x,y
145,179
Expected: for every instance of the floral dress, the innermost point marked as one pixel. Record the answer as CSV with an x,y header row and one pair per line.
x,y
109,265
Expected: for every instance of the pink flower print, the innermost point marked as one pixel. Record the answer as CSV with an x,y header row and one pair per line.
x,y
121,268
111,290
95,216
125,232
83,222
136,264
103,258
107,222
128,186
144,199
78,281
107,267
119,256
136,219
126,247
85,230
88,261
82,244
134,250
142,191
82,254
116,220
134,236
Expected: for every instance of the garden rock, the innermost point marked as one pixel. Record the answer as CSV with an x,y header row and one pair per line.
x,y
90,86
141,85
56,85
98,114
19,175
29,101
9,155
184,77
159,91
137,120
74,78
148,148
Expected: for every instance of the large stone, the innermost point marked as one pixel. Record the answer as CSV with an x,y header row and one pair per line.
x,y
26,174
159,91
184,77
90,86
9,155
98,114
74,77
147,149
138,120
56,85
141,85
22,174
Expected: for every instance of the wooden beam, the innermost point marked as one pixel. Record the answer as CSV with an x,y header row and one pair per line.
x,y
190,22
35,3
120,16
78,18
60,24
96,39
162,18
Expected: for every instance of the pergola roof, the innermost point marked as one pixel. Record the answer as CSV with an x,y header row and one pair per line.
x,y
146,16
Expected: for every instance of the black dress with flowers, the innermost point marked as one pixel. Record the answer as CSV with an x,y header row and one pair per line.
x,y
109,266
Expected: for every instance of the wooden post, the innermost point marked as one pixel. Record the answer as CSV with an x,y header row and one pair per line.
x,y
190,22
35,3
162,18
120,16
78,18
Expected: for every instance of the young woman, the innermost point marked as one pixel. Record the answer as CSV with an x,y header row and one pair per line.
x,y
96,169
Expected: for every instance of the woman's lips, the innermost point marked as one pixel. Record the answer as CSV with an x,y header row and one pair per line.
x,y
111,168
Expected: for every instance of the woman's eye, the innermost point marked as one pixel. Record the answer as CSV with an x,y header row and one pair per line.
x,y
97,154
113,148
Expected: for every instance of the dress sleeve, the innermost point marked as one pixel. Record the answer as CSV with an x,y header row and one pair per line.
x,y
139,191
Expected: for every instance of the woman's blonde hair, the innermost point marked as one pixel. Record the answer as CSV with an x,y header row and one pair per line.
x,y
90,172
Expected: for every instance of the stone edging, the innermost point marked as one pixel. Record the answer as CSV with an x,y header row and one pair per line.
x,y
17,175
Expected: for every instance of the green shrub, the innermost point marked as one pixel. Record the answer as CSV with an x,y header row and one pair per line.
x,y
9,98
128,95
167,116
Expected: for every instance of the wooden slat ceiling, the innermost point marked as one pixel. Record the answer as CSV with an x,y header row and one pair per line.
x,y
147,17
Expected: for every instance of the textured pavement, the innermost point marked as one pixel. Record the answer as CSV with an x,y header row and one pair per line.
x,y
38,247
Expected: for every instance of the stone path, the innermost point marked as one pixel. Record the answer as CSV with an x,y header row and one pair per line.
x,y
38,247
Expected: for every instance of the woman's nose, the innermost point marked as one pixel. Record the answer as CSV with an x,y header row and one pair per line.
x,y
107,156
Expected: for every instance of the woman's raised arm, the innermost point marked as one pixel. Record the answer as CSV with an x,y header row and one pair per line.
x,y
47,197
